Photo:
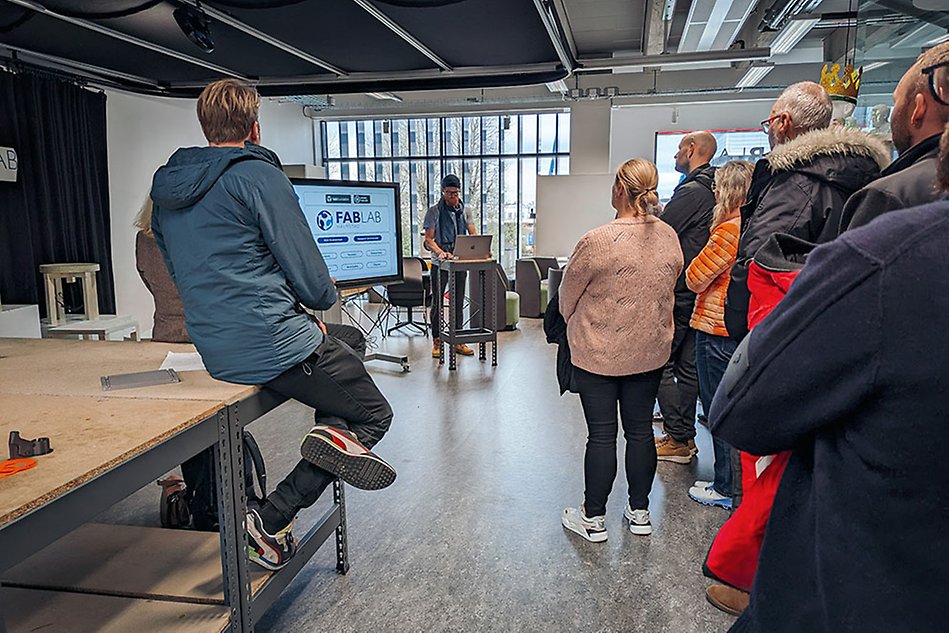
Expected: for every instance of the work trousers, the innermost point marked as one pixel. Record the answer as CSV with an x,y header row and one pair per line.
x,y
712,354
334,381
599,396
438,293
679,390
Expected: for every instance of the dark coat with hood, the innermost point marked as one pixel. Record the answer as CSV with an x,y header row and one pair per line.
x,y
242,256
808,178
689,212
908,182
849,373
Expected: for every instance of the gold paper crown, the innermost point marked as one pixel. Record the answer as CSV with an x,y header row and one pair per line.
x,y
845,87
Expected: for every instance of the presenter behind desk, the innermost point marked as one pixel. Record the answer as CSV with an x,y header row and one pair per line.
x,y
444,222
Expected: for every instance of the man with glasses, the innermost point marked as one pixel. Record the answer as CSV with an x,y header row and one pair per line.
x,y
811,171
920,112
443,223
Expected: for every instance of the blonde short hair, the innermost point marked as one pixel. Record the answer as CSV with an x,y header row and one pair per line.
x,y
638,178
731,188
227,110
143,221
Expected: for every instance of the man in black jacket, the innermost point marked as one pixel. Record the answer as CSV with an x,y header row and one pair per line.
x,y
917,122
849,372
689,212
811,171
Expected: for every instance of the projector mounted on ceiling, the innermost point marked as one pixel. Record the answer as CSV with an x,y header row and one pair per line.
x,y
195,24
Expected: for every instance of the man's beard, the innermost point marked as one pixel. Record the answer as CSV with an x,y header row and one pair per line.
x,y
899,129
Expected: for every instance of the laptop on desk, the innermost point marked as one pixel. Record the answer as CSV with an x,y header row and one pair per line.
x,y
470,248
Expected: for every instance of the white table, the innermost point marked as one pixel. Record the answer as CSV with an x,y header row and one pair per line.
x,y
102,328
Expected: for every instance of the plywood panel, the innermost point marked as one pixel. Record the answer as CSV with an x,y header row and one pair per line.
x,y
29,610
88,435
73,368
131,561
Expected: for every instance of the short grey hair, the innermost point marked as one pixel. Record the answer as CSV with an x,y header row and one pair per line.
x,y
808,104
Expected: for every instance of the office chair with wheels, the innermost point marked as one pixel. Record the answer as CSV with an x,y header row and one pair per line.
x,y
410,294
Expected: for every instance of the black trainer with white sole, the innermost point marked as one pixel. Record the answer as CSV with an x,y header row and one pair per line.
x,y
340,453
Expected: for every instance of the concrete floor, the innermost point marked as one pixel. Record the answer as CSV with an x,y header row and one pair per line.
x,y
468,538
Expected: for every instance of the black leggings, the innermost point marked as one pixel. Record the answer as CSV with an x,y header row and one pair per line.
x,y
334,381
599,396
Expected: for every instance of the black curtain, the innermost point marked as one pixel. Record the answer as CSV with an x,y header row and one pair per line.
x,y
58,209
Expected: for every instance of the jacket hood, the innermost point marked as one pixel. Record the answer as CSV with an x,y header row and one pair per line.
x,y
783,253
192,171
841,142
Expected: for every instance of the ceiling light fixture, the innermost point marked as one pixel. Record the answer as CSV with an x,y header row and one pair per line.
x,y
196,25
874,66
557,86
385,96
753,76
793,33
939,40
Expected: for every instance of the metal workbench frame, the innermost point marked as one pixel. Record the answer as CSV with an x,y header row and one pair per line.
x,y
28,534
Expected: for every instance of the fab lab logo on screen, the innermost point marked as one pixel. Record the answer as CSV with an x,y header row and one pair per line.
x,y
324,220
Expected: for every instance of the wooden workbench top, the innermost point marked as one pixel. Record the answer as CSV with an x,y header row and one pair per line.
x,y
73,368
89,436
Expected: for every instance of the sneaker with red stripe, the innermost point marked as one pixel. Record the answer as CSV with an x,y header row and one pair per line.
x,y
340,453
270,551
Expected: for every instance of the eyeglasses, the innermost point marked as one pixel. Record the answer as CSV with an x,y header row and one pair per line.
x,y
451,193
766,124
938,75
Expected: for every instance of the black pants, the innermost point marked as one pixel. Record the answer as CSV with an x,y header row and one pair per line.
x,y
679,390
334,381
441,279
599,396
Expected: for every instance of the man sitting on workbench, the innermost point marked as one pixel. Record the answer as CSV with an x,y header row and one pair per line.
x,y
238,247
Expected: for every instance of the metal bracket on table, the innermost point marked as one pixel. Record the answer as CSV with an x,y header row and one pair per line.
x,y
389,358
232,499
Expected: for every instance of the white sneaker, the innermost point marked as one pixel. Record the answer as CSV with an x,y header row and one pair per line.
x,y
700,483
638,521
707,495
592,529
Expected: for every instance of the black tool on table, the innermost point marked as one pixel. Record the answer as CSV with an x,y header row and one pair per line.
x,y
20,447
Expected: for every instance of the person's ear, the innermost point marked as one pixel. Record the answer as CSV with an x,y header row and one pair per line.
x,y
254,136
919,110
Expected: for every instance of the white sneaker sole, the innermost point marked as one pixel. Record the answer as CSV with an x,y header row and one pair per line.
x,y
637,528
594,537
675,459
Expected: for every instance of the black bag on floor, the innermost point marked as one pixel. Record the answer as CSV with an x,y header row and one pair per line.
x,y
199,496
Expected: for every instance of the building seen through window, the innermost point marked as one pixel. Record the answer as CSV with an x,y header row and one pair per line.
x,y
497,158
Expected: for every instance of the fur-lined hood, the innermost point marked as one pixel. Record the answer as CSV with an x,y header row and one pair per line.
x,y
832,141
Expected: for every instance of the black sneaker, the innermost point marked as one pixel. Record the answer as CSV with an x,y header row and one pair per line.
x,y
340,453
270,551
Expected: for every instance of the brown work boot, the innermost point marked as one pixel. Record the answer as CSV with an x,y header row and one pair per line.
x,y
669,450
728,599
436,348
464,350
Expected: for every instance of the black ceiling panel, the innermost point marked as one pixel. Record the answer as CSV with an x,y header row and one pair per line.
x,y
338,31
477,32
469,35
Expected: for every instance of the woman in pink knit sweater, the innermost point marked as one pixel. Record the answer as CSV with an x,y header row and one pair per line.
x,y
617,298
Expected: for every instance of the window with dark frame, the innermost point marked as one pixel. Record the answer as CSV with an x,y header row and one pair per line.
x,y
496,157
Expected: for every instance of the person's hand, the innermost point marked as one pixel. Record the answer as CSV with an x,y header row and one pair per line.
x,y
320,324
444,255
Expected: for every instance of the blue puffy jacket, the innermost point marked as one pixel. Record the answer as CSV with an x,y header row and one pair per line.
x,y
239,249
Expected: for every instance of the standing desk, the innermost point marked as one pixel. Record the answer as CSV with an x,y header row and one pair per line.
x,y
453,333
106,446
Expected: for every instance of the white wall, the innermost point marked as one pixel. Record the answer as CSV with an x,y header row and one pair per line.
x,y
568,207
590,137
633,128
142,133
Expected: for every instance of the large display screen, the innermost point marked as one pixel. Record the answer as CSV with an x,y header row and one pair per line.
x,y
749,144
357,227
